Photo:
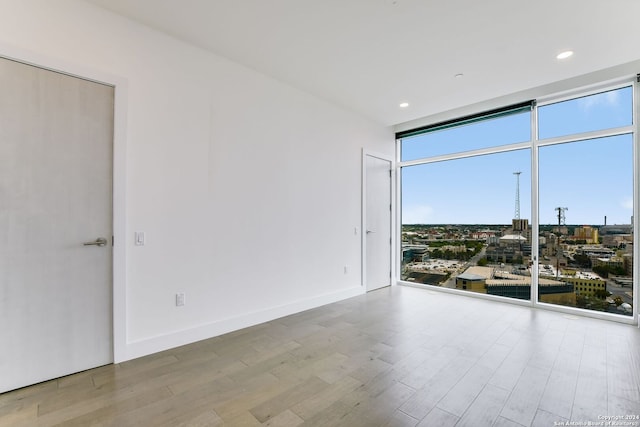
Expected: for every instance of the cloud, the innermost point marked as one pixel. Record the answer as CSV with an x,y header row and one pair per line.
x,y
422,214
606,99
627,203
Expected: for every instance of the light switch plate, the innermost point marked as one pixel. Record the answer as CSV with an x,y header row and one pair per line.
x,y
139,239
180,299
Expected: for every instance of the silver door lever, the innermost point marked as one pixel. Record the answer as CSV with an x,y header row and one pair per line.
x,y
100,241
370,231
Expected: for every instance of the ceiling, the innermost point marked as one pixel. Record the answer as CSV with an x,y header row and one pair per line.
x,y
370,55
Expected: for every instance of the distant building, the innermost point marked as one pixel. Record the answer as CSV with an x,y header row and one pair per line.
x,y
510,248
549,247
426,277
617,240
493,240
486,280
627,260
519,224
595,253
613,262
521,228
586,233
503,254
512,240
415,253
472,282
482,235
585,285
616,229
561,230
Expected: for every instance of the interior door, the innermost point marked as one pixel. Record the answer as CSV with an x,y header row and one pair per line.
x,y
377,222
56,143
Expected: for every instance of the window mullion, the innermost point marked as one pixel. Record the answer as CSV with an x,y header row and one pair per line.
x,y
636,197
465,154
535,222
585,136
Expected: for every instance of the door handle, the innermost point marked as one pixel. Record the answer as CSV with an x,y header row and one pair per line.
x,y
100,241
370,231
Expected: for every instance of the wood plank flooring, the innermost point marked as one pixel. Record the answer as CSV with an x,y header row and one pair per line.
x,y
398,356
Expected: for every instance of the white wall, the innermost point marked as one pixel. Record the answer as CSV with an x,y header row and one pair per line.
x,y
247,189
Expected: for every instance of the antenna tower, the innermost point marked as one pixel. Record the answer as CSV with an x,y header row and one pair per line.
x,y
561,221
517,212
561,217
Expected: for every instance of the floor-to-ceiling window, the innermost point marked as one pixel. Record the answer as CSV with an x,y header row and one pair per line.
x,y
585,202
528,201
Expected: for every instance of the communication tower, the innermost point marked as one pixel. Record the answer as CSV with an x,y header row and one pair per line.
x,y
561,221
517,212
561,217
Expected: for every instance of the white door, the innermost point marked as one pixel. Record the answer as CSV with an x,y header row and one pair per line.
x,y
56,139
377,229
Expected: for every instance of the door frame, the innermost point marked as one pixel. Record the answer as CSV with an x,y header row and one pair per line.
x,y
119,338
363,224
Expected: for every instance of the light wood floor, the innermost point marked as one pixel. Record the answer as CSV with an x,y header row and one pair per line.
x,y
395,357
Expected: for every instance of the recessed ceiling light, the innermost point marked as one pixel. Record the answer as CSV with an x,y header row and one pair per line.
x,y
404,105
565,54
459,76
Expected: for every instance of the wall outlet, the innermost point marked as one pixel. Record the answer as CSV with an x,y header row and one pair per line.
x,y
180,299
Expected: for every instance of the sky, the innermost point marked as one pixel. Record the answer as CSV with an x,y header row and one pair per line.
x,y
591,178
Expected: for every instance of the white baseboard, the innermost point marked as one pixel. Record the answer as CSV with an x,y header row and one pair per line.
x,y
159,343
